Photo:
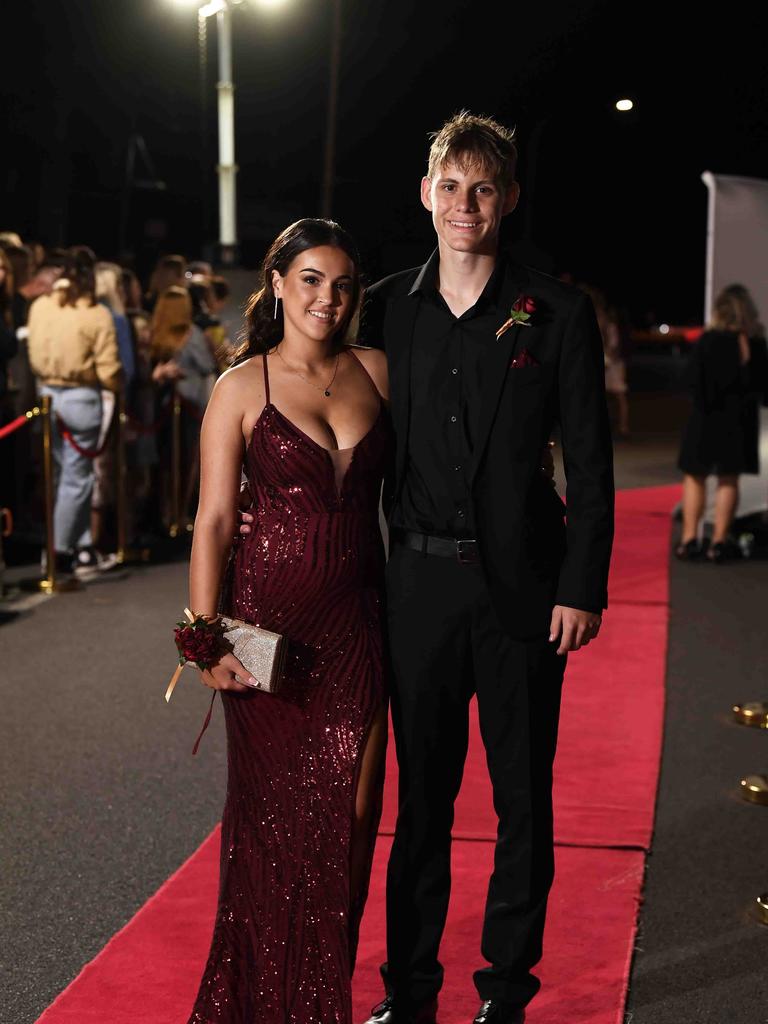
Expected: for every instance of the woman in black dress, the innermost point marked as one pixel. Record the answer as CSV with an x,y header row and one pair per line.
x,y
728,379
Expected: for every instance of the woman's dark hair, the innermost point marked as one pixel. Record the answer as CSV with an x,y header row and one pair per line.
x,y
262,330
78,272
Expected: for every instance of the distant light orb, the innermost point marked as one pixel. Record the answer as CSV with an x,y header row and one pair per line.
x,y
663,328
624,105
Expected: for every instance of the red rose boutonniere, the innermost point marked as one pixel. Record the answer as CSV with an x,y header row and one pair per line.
x,y
522,310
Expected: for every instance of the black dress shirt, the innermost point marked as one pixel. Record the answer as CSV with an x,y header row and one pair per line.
x,y
446,403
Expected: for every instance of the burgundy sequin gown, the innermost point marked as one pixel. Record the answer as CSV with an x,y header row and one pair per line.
x,y
286,927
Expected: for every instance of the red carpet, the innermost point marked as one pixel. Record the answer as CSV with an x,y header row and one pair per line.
x,y
606,775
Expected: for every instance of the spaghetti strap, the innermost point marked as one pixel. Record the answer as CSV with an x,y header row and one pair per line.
x,y
266,378
370,378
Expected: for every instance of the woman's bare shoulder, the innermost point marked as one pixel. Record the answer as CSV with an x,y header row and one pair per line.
x,y
375,362
239,388
241,379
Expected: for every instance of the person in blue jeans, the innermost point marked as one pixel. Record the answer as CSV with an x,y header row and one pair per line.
x,y
73,353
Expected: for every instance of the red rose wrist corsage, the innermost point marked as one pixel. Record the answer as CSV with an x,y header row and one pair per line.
x,y
199,642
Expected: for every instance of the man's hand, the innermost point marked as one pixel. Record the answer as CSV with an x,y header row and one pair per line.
x,y
573,627
244,505
168,370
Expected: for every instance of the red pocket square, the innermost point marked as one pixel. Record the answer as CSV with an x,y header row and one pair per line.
x,y
523,359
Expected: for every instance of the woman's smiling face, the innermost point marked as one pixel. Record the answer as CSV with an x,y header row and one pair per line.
x,y
317,292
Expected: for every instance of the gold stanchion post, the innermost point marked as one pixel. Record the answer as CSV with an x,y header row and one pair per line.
x,y
48,584
121,481
125,553
175,526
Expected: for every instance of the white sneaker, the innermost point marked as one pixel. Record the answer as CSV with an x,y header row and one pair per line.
x,y
90,563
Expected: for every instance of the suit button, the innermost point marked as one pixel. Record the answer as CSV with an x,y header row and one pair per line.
x,y
453,419
454,370
460,513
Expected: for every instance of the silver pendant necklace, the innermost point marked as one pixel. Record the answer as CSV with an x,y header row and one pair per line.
x,y
318,387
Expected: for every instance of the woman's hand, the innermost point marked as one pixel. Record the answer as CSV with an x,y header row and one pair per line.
x,y
223,675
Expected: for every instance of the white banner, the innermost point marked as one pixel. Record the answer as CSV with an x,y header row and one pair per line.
x,y
737,253
737,238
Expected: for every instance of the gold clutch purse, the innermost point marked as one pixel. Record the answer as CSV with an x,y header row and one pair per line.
x,y
259,651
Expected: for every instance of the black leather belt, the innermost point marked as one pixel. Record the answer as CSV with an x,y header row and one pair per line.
x,y
466,552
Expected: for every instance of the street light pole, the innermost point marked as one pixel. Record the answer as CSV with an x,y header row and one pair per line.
x,y
227,169
329,163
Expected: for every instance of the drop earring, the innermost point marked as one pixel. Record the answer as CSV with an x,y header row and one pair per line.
x,y
277,299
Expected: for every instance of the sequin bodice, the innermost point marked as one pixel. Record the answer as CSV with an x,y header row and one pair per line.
x,y
288,471
286,927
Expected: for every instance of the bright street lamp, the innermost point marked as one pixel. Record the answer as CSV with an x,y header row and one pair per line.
x,y
624,105
226,168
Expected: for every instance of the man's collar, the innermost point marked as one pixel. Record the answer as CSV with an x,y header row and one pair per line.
x,y
427,277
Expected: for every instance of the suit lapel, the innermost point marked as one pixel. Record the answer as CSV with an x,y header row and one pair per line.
x,y
497,365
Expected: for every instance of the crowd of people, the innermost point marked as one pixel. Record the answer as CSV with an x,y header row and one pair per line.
x,y
86,334
83,331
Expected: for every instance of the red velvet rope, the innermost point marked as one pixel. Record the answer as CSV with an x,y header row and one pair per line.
x,y
14,425
66,433
152,428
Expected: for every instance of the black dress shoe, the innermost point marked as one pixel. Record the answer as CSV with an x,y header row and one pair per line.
x,y
495,1012
389,1012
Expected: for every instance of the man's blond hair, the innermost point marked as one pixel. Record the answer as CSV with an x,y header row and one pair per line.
x,y
469,140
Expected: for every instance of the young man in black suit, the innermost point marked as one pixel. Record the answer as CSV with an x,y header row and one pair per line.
x,y
488,589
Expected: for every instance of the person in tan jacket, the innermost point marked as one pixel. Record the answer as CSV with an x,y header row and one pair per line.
x,y
73,352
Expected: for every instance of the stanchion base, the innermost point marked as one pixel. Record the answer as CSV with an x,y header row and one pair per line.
x,y
46,586
753,713
130,556
754,789
64,586
762,907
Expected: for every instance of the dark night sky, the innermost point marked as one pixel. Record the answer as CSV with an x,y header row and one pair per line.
x,y
618,201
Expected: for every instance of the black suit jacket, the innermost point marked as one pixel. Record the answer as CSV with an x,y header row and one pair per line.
x,y
533,557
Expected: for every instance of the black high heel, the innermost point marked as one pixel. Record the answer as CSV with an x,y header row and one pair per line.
x,y
688,551
720,552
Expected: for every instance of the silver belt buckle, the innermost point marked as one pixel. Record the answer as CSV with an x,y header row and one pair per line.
x,y
466,552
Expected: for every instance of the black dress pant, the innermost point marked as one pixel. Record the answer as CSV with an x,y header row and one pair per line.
x,y
446,644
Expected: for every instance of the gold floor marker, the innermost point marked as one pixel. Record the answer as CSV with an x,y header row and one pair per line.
x,y
754,788
754,713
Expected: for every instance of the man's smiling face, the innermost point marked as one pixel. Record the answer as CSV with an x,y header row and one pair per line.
x,y
467,207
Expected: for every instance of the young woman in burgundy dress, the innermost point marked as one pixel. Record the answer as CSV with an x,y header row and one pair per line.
x,y
303,415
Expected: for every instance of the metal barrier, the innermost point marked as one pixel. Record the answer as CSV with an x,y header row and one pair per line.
x,y
50,583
